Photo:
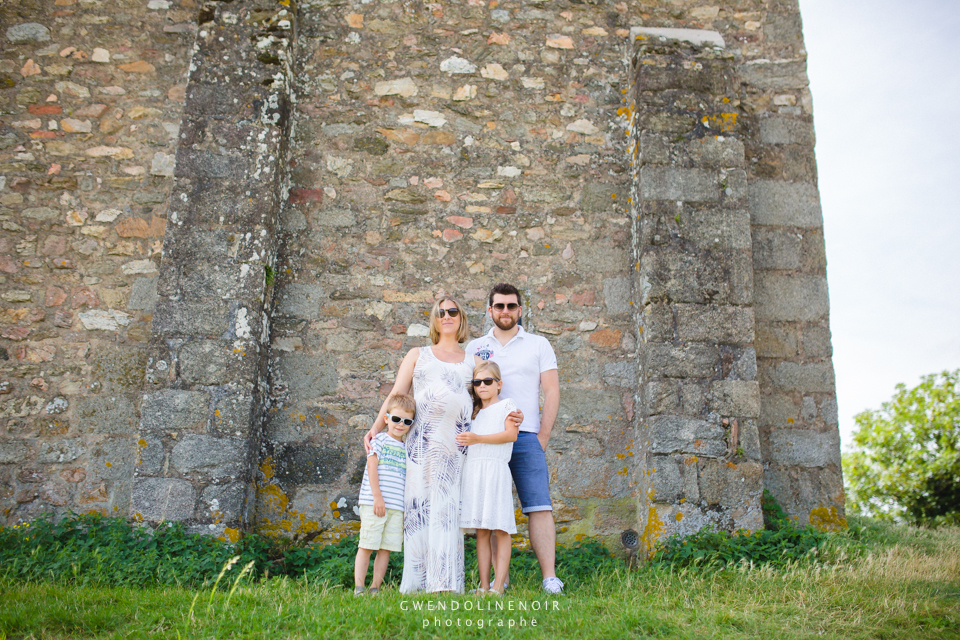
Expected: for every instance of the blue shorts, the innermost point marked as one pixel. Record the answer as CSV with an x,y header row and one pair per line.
x,y
528,466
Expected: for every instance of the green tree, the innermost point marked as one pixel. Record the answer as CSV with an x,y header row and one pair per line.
x,y
905,465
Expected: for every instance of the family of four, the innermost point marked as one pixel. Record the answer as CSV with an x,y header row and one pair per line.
x,y
441,462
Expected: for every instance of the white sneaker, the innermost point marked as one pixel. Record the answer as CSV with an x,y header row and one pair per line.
x,y
552,585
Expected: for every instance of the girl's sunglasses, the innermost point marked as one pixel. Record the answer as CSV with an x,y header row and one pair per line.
x,y
454,312
485,381
397,419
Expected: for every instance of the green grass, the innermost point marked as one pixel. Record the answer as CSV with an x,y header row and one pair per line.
x,y
878,581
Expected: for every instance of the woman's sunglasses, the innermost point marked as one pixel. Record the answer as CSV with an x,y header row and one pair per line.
x,y
510,306
454,312
485,381
397,419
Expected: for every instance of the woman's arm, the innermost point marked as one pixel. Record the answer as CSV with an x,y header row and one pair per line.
x,y
509,434
403,384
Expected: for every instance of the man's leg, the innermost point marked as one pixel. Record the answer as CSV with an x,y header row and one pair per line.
x,y
543,537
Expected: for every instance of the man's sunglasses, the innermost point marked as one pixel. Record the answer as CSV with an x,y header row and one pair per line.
x,y
454,312
397,419
510,306
485,381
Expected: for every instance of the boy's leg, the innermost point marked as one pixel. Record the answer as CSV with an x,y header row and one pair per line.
x,y
380,568
483,557
501,563
360,566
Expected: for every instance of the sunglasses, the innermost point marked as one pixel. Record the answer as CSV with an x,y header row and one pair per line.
x,y
485,381
454,312
510,306
397,420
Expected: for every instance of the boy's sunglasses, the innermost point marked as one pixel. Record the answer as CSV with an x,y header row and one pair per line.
x,y
485,381
510,306
397,419
454,312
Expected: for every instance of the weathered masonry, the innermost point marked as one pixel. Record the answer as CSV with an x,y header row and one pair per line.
x,y
317,174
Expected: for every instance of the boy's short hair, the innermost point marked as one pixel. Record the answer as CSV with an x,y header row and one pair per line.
x,y
402,401
505,289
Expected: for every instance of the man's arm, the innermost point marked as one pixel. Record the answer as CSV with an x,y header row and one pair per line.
x,y
550,382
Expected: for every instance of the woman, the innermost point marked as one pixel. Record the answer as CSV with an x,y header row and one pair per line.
x,y
438,375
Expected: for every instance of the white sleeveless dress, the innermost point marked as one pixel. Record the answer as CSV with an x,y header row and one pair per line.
x,y
432,539
487,494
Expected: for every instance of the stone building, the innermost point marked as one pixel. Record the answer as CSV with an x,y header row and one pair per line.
x,y
223,230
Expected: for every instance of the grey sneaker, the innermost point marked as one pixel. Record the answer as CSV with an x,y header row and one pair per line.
x,y
358,591
552,585
373,591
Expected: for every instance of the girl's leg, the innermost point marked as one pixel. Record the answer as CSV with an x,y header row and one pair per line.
x,y
380,568
483,557
502,561
360,566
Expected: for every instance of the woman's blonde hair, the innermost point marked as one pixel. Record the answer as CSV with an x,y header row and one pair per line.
x,y
462,333
486,365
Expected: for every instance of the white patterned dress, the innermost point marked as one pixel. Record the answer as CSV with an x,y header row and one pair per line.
x,y
487,495
432,539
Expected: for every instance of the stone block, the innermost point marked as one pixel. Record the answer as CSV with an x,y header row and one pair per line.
x,y
212,457
689,361
672,183
223,503
143,294
658,323
234,414
335,218
783,28
589,406
776,249
119,369
725,324
781,130
716,228
598,197
719,152
739,398
301,300
214,362
828,410
173,410
814,377
816,341
778,410
729,485
750,439
150,456
745,366
804,447
226,280
680,434
808,409
306,464
194,163
621,374
308,376
158,499
110,414
180,318
666,479
796,298
775,75
693,397
775,341
785,204
618,295
114,458
14,452
661,396
66,450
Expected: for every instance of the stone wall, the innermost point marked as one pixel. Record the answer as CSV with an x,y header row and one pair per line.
x,y
652,193
89,119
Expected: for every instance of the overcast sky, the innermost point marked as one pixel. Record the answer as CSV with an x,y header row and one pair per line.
x,y
885,80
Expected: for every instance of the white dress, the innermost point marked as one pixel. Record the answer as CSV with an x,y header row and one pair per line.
x,y
487,500
432,539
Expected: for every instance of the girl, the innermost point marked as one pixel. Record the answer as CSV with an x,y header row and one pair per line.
x,y
486,493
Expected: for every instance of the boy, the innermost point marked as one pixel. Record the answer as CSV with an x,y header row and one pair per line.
x,y
381,494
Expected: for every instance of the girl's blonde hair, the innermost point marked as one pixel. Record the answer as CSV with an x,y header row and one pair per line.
x,y
462,333
486,365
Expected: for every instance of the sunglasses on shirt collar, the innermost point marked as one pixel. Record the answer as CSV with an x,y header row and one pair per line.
x,y
397,420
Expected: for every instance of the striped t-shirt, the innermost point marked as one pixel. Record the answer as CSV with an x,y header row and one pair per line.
x,y
391,468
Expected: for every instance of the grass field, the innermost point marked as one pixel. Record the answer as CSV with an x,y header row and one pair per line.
x,y
892,582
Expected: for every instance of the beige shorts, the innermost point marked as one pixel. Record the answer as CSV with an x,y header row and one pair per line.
x,y
381,533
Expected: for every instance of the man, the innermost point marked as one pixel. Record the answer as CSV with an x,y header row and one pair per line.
x,y
527,364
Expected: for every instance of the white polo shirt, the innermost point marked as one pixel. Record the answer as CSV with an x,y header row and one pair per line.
x,y
521,362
